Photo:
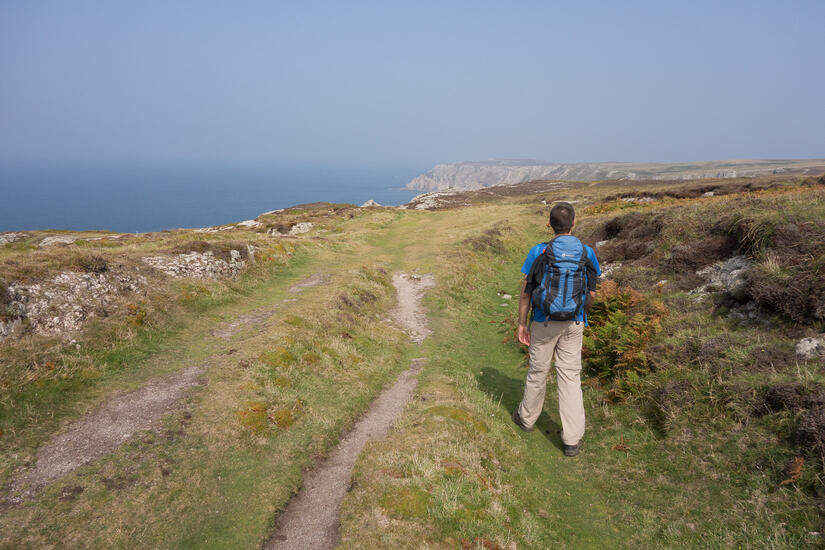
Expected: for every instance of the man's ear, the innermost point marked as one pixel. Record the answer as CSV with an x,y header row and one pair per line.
x,y
574,224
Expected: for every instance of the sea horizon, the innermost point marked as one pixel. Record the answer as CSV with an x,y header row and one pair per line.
x,y
142,197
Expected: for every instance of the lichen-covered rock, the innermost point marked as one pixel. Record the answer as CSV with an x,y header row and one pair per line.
x,y
432,200
58,240
251,224
60,305
301,227
13,237
811,348
609,269
198,265
730,275
296,229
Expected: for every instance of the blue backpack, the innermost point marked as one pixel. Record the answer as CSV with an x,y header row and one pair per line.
x,y
560,278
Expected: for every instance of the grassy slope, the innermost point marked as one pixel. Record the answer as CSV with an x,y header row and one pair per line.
x,y
455,473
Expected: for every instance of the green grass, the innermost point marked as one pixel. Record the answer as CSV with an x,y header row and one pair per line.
x,y
707,479
454,472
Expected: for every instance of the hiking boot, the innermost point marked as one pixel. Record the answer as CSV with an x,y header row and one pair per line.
x,y
518,422
573,450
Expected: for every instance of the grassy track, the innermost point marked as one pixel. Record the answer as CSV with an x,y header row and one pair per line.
x,y
458,474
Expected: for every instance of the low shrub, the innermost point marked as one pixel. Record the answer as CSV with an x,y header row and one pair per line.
x,y
93,264
622,321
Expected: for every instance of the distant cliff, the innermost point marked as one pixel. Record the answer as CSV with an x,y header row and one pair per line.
x,y
475,175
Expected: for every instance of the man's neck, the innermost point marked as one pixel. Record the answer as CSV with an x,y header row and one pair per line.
x,y
569,233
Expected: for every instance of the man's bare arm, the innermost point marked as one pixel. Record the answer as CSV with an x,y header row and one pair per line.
x,y
523,310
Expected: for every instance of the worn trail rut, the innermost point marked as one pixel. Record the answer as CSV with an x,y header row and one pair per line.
x,y
123,415
310,521
102,431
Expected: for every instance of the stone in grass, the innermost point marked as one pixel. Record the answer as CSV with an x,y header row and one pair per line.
x,y
811,348
405,502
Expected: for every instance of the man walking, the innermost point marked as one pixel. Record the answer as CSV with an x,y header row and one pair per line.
x,y
559,281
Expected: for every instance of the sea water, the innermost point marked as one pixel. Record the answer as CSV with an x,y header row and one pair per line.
x,y
133,198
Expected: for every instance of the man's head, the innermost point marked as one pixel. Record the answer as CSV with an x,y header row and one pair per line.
x,y
562,218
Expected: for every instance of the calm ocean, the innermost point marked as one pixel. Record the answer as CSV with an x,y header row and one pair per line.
x,y
133,199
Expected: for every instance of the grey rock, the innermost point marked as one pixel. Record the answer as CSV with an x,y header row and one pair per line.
x,y
300,228
730,275
61,305
609,269
198,265
369,204
13,237
58,240
811,348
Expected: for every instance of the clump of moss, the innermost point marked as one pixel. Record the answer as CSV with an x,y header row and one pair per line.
x,y
253,416
459,415
405,502
280,357
296,321
281,381
283,417
310,358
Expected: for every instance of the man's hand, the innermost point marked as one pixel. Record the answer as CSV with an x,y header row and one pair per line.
x,y
523,335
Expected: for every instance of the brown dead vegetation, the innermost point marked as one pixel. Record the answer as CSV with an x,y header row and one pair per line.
x,y
489,241
810,434
694,255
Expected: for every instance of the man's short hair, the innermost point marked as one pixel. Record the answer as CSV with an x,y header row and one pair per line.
x,y
561,217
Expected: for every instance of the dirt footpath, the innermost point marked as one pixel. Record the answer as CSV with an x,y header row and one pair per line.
x,y
311,520
102,431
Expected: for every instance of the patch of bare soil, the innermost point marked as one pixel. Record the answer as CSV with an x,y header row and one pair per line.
x,y
310,521
245,319
263,314
102,431
313,280
408,313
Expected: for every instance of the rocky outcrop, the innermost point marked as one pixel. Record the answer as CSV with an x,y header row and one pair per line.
x,y
730,275
58,240
475,175
433,200
297,229
6,238
61,305
369,204
249,224
198,265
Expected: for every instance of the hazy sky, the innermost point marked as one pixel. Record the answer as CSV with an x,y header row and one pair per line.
x,y
418,82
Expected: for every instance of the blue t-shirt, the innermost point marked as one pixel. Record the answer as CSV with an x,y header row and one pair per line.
x,y
538,315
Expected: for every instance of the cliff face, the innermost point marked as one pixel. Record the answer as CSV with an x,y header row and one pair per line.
x,y
475,175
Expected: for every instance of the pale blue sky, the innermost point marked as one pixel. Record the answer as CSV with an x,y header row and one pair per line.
x,y
420,82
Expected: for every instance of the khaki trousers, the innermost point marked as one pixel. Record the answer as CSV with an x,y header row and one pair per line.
x,y
560,341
